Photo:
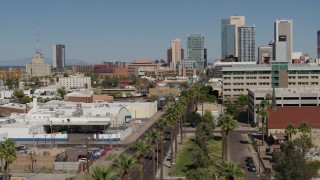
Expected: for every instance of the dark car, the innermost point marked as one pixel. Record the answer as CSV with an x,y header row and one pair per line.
x,y
249,164
249,159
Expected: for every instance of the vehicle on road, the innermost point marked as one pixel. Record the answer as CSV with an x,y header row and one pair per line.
x,y
81,146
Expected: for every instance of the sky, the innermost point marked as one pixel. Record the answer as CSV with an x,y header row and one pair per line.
x,y
98,30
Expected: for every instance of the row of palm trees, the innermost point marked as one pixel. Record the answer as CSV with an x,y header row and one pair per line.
x,y
174,119
305,129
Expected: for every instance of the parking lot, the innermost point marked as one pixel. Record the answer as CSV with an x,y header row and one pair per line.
x,y
95,152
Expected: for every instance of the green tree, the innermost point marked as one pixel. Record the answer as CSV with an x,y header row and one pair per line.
x,y
193,118
153,135
231,171
290,129
125,163
199,174
62,91
290,163
305,127
201,159
161,124
101,173
7,155
140,147
208,118
227,124
25,100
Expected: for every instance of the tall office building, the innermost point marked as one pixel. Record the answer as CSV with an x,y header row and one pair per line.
x,y
58,60
176,53
229,36
205,57
246,43
195,50
265,54
318,50
283,40
169,55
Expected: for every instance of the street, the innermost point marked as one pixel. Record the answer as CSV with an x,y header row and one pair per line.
x,y
238,152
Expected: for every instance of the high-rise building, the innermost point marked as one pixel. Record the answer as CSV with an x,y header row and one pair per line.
x,y
205,57
175,54
283,40
229,36
265,54
246,43
318,50
195,50
58,60
38,67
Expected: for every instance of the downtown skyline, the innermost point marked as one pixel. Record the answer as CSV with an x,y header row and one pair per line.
x,y
97,31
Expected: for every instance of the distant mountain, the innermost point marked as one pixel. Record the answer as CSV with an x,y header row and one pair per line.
x,y
24,61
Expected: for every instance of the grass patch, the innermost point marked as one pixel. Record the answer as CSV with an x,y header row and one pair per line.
x,y
184,162
109,157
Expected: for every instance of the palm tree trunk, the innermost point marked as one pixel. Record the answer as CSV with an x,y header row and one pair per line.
x,y
262,131
171,144
153,161
161,160
202,110
141,158
125,175
175,141
181,130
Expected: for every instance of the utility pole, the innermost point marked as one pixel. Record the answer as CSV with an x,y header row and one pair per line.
x,y
87,154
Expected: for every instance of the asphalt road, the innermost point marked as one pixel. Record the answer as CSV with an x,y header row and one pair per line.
x,y
238,152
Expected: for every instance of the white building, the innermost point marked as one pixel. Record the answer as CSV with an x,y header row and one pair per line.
x,y
38,67
107,121
75,82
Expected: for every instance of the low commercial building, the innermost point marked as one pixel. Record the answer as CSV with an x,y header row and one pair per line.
x,y
237,79
87,96
164,91
10,74
75,82
140,67
54,120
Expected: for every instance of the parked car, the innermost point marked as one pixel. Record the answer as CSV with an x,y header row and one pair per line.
x,y
250,164
249,159
82,160
252,169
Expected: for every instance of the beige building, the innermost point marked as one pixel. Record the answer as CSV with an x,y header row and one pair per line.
x,y
236,80
141,66
176,53
75,82
237,21
38,67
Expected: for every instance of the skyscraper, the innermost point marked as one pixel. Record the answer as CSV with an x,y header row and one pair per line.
x,y
318,50
195,50
283,39
58,60
176,53
229,36
246,43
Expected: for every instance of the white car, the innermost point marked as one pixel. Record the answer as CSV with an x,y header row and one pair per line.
x,y
83,160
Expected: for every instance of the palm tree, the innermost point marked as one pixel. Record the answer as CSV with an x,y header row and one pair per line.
x,y
290,129
226,123
7,154
305,127
101,173
161,124
125,163
140,148
264,114
230,171
171,118
153,135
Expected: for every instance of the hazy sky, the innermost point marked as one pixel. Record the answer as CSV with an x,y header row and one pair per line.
x,y
125,30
